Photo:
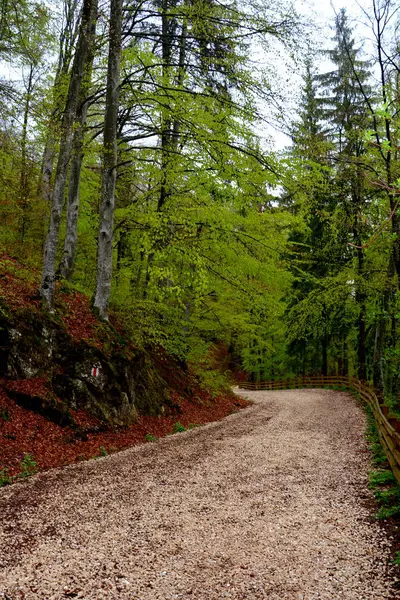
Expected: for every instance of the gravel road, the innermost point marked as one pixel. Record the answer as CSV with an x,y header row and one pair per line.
x,y
272,502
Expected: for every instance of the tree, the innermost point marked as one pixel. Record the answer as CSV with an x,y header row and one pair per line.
x,y
346,110
67,41
34,45
110,159
79,71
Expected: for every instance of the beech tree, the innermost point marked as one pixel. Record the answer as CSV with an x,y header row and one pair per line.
x,y
110,158
80,68
66,44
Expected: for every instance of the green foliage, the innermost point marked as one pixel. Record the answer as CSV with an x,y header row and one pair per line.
x,y
388,497
393,403
151,438
286,259
5,478
4,414
382,481
28,466
388,512
210,378
178,427
103,451
372,435
381,478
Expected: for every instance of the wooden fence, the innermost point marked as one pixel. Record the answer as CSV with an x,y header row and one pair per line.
x,y
388,425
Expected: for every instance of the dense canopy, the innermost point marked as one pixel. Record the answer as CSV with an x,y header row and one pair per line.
x,y
138,166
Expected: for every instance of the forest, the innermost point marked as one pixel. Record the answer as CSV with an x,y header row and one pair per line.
x,y
138,166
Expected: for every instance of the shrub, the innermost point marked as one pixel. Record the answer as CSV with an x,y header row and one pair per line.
x,y
5,478
4,414
28,466
178,427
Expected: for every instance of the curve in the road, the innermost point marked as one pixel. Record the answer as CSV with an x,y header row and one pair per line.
x,y
271,502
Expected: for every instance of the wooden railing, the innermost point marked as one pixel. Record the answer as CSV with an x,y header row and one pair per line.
x,y
388,425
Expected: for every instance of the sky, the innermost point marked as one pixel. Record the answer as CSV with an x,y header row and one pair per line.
x,y
322,13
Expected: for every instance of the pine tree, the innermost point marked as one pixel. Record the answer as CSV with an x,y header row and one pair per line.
x,y
346,111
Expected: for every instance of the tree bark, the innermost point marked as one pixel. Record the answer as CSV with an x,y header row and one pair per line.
x,y
110,156
380,332
66,45
71,237
360,301
78,71
24,193
325,355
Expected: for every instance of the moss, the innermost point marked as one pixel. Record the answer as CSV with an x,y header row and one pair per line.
x,y
151,391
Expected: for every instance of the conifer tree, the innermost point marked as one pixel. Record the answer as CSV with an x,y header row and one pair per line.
x,y
346,112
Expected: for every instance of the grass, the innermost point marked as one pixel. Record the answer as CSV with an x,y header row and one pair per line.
x,y
178,427
382,481
381,478
4,414
28,466
393,405
5,478
102,452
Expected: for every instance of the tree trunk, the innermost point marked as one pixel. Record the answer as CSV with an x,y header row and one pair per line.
x,y
166,130
71,237
360,301
24,193
345,359
362,367
82,54
66,45
380,333
170,132
325,355
105,241
49,154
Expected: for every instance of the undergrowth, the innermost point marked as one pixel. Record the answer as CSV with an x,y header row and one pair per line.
x,y
28,468
178,427
393,404
382,481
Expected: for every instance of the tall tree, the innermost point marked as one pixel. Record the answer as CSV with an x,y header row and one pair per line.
x,y
346,110
110,159
78,73
67,40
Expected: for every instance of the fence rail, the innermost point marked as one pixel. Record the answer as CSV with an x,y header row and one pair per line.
x,y
388,425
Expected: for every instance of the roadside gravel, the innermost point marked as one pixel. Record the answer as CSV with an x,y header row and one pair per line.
x,y
272,502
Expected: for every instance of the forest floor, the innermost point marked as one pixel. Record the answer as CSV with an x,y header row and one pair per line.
x,y
271,502
25,432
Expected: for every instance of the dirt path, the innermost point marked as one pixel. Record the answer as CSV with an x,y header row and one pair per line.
x,y
269,503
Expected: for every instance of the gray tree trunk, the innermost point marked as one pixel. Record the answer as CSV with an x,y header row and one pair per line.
x,y
71,236
110,156
78,71
24,191
47,168
67,41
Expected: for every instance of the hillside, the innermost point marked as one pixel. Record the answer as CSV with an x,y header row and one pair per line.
x,y
72,388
